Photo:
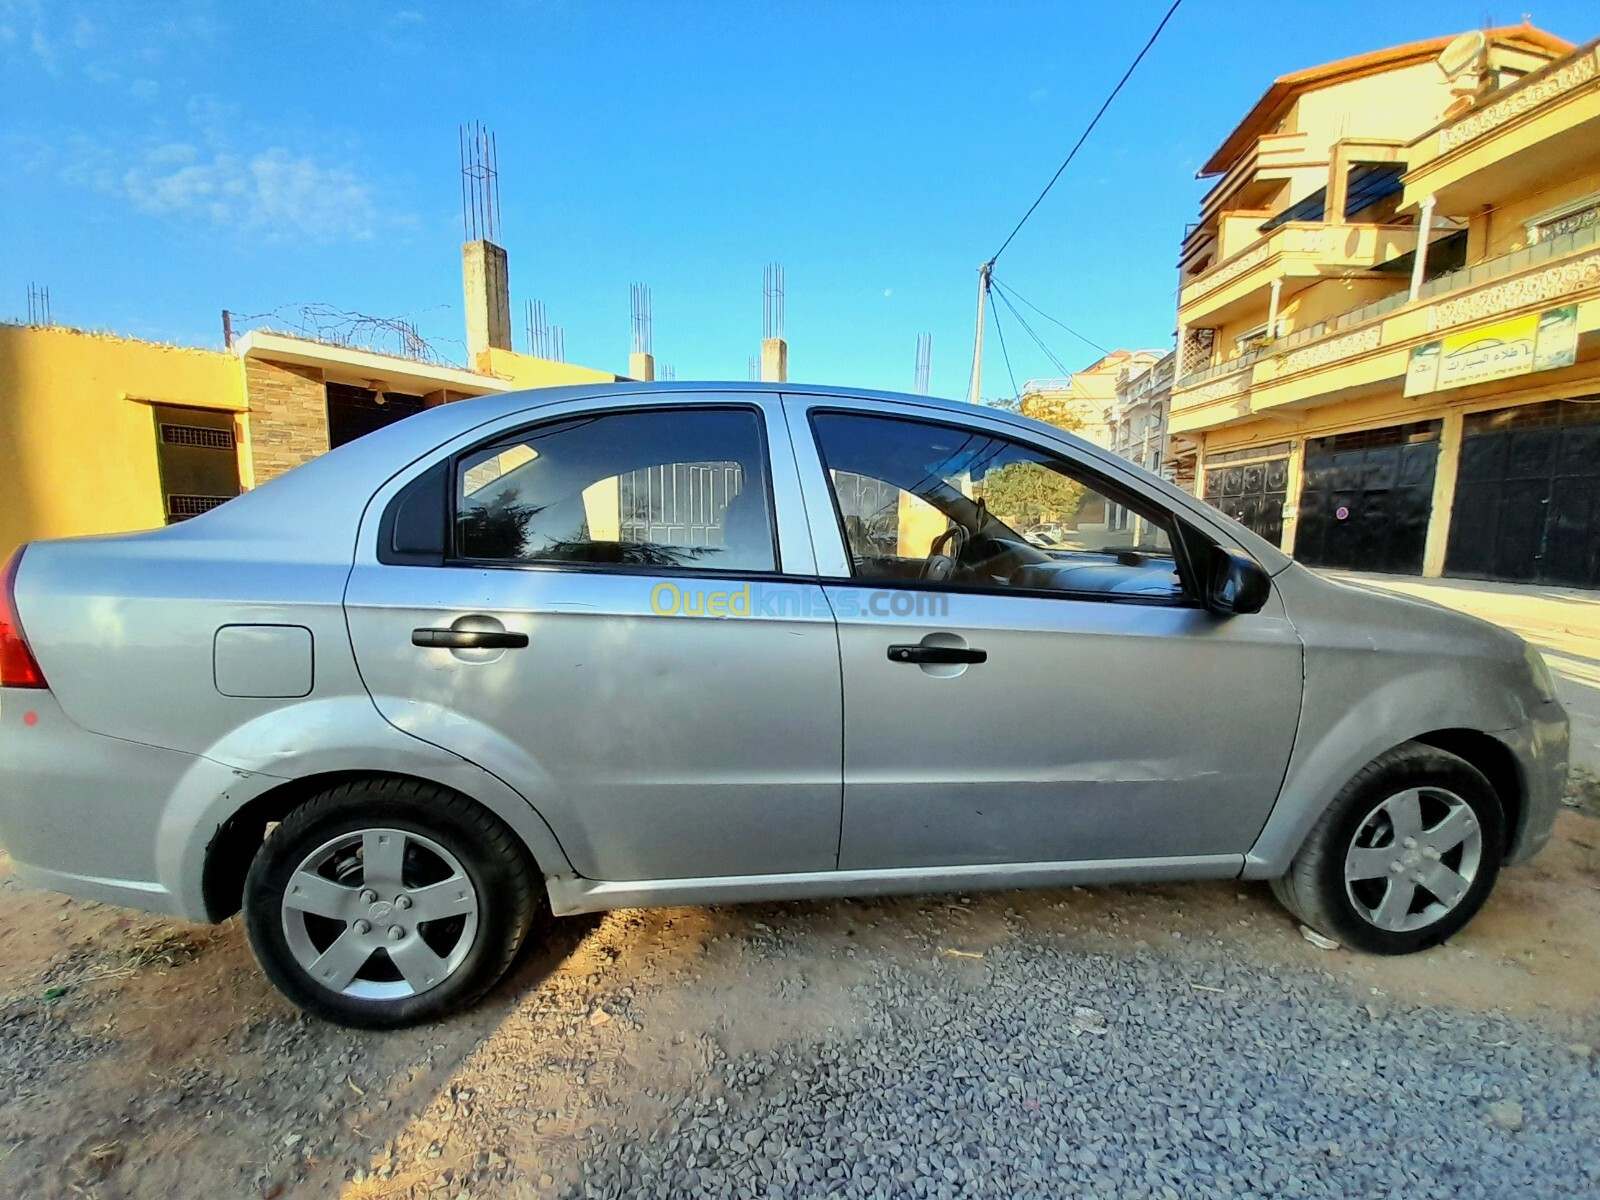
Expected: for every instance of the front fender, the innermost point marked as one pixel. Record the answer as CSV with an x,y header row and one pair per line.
x,y
1338,737
343,734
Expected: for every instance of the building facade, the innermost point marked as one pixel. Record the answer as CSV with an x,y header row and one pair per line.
x,y
1083,401
1389,312
1137,421
104,434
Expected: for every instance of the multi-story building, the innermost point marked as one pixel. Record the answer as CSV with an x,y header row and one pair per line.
x,y
1389,315
1082,402
104,434
1137,421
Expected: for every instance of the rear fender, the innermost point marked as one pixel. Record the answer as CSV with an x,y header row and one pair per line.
x,y
342,735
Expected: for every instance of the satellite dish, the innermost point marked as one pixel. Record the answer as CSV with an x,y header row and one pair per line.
x,y
1462,54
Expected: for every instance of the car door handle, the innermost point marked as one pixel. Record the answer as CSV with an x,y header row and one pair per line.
x,y
469,639
918,653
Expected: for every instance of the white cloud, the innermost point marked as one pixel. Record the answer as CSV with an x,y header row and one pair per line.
x,y
274,194
43,50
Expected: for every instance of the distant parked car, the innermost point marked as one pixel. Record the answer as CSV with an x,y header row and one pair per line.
x,y
583,648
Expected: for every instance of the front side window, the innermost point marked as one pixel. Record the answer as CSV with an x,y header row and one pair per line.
x,y
671,488
925,501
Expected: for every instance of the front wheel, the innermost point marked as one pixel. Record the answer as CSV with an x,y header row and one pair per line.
x,y
1405,855
386,902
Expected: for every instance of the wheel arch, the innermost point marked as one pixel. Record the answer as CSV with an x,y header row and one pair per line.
x,y
212,882
1495,761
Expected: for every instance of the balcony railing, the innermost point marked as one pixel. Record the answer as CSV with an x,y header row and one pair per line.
x,y
1466,279
1517,261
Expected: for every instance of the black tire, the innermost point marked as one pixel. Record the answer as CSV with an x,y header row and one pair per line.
x,y
1314,889
505,880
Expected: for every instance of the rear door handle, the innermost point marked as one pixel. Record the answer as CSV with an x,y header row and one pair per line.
x,y
919,653
469,639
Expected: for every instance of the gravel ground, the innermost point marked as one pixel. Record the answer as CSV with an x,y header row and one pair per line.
x,y
1034,1072
1181,1040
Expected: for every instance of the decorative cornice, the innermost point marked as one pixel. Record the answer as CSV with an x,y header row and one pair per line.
x,y
1533,288
1529,96
1319,354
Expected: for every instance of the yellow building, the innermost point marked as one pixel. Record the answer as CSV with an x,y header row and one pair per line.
x,y
1083,402
1368,405
104,434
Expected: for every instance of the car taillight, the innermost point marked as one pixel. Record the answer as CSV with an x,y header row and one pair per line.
x,y
18,667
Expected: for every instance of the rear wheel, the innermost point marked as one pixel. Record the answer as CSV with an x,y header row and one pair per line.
x,y
387,902
1404,857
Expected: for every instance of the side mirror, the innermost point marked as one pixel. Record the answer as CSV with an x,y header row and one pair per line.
x,y
1235,582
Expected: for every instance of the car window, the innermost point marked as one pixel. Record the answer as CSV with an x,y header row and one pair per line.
x,y
680,488
926,501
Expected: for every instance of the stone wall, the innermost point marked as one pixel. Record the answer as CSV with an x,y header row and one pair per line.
x,y
288,416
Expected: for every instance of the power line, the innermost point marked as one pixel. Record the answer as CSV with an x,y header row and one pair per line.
x,y
1006,354
1019,296
1037,340
1087,131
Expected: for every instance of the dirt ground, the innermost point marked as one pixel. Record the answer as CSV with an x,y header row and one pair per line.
x,y
145,1057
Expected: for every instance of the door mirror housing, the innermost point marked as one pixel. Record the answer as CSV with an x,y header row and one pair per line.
x,y
1235,583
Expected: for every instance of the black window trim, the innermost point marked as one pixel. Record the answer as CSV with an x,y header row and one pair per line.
x,y
451,469
1179,532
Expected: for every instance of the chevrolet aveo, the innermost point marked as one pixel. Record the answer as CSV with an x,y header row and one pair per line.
x,y
584,648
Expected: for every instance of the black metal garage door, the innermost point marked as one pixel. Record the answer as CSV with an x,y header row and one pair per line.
x,y
1366,498
1251,493
1527,507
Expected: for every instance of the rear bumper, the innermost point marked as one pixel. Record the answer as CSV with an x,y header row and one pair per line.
x,y
79,812
1541,746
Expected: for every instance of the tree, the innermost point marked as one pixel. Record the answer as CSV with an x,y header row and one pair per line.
x,y
1028,493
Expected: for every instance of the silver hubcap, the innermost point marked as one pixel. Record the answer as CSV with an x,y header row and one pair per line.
x,y
380,914
1413,859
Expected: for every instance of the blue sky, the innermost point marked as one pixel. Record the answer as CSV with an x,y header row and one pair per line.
x,y
166,161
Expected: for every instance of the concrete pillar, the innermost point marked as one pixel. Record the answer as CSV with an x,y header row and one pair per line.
x,y
641,366
774,361
1338,184
1272,307
1291,494
1444,496
1419,265
486,283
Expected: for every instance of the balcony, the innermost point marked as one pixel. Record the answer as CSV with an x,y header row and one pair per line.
x,y
1370,345
1298,253
1538,131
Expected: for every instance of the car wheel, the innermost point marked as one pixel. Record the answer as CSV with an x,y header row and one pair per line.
x,y
1404,857
387,902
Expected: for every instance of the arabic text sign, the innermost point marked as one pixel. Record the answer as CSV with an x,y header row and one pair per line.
x,y
1533,342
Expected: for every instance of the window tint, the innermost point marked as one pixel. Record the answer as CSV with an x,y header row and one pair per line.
x,y
670,488
925,501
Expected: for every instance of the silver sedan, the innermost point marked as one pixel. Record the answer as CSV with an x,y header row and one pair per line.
x,y
584,648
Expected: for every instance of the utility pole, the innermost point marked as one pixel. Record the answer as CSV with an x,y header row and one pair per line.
x,y
984,272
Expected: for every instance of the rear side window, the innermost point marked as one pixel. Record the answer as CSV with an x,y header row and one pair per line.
x,y
671,488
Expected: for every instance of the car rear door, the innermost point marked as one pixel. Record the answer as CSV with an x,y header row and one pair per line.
x,y
1043,705
615,629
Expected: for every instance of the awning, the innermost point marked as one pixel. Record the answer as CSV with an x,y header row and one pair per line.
x,y
1369,183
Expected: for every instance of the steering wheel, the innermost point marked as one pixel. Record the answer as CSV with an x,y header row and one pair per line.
x,y
940,565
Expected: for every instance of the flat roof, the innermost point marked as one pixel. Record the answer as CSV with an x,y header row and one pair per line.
x,y
397,373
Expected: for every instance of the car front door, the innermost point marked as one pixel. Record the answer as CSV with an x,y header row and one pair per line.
x,y
1009,700
611,626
